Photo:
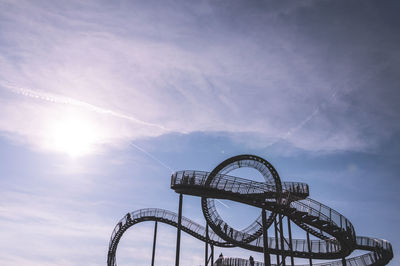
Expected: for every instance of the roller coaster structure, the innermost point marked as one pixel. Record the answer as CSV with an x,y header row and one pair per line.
x,y
336,237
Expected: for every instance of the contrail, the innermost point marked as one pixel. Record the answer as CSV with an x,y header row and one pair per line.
x,y
223,204
316,110
152,157
166,166
48,97
70,101
302,123
44,96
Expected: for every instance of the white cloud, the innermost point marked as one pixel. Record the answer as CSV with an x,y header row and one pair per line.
x,y
139,71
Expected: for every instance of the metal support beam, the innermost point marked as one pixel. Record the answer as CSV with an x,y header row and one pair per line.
x,y
344,263
212,254
282,239
290,241
276,242
267,258
154,244
178,234
206,255
309,246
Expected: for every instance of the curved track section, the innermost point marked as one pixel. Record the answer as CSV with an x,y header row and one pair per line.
x,y
381,253
160,215
337,237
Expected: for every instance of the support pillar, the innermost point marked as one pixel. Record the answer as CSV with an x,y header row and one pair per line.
x,y
290,241
282,239
309,247
178,234
267,258
154,244
276,242
206,251
344,263
212,254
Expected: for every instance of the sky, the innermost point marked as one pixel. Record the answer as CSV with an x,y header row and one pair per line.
x,y
100,101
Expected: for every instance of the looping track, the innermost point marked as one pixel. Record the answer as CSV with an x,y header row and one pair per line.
x,y
337,237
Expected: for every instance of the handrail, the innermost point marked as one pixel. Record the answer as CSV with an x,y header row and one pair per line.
x,y
198,231
377,246
242,185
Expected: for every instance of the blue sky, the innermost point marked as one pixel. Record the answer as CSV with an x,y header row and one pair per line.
x,y
101,100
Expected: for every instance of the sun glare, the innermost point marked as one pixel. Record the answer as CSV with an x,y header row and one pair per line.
x,y
73,136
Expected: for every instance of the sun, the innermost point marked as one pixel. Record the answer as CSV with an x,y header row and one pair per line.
x,y
74,136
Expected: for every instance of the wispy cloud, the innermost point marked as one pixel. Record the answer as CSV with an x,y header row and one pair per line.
x,y
73,102
37,229
197,69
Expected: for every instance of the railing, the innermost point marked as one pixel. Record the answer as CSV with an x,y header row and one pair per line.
x,y
244,236
248,187
169,216
323,212
237,262
373,242
379,245
299,245
233,184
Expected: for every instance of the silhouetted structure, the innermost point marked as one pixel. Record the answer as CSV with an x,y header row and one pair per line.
x,y
276,200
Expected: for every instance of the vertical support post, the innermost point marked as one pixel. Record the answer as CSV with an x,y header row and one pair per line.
x,y
309,247
276,242
267,258
344,263
154,244
206,251
178,234
290,241
212,255
282,239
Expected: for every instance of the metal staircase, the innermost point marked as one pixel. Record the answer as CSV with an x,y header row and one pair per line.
x,y
336,235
